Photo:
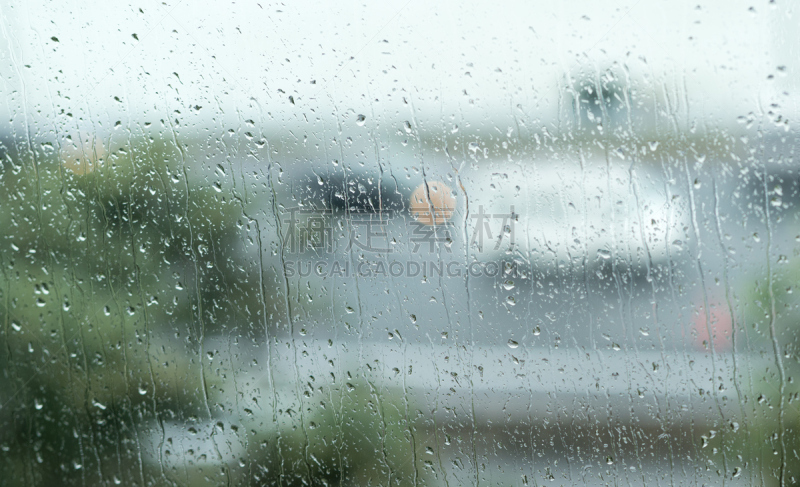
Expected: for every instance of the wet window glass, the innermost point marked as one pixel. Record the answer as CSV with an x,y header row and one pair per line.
x,y
461,243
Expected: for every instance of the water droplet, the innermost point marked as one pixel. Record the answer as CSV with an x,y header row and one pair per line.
x,y
512,344
361,120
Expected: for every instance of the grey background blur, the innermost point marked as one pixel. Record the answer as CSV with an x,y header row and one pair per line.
x,y
151,152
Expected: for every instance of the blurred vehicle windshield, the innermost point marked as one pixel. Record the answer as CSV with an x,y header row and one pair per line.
x,y
396,244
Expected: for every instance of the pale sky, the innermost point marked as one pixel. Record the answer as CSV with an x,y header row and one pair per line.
x,y
429,62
